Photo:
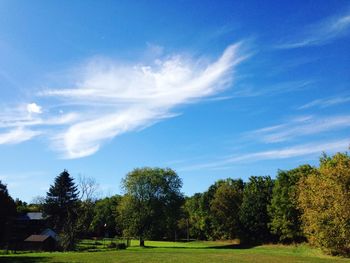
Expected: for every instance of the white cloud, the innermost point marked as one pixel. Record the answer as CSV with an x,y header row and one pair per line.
x,y
270,90
283,153
301,126
17,135
34,108
320,33
326,102
110,98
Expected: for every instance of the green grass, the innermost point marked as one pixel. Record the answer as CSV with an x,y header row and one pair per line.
x,y
197,251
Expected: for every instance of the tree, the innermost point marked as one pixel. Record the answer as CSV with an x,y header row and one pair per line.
x,y
284,213
225,208
324,198
106,219
88,187
7,210
61,205
151,204
195,220
253,214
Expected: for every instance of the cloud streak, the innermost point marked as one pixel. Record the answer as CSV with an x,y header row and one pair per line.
x,y
275,154
320,33
18,135
302,126
110,98
326,102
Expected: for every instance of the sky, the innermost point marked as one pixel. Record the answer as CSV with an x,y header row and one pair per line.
x,y
211,89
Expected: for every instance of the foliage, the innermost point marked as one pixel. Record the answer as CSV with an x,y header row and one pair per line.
x,y
194,217
324,198
36,205
151,203
105,221
253,214
87,196
285,215
86,213
304,202
7,210
225,207
61,205
200,216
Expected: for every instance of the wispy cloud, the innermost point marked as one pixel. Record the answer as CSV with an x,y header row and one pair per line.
x,y
301,126
17,135
320,33
275,154
325,102
266,90
111,98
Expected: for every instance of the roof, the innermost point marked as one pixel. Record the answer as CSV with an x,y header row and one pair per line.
x,y
37,238
32,216
49,232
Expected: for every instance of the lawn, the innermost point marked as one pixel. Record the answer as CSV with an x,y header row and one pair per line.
x,y
202,252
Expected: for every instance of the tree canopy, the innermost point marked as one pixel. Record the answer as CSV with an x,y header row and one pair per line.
x,y
151,203
7,209
302,204
324,198
225,208
253,214
284,212
106,219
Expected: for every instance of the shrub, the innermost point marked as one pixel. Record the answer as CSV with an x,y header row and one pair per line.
x,y
121,246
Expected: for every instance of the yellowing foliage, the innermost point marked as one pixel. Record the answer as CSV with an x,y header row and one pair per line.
x,y
324,198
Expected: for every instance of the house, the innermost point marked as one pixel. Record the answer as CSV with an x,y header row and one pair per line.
x,y
28,224
40,242
25,225
50,232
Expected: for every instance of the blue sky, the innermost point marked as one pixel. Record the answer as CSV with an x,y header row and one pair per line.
x,y
212,89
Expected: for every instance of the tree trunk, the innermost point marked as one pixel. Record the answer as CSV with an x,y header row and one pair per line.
x,y
142,242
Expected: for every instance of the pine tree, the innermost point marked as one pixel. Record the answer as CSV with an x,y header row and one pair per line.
x,y
61,205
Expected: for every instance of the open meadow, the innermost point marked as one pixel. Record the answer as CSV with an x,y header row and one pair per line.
x,y
196,251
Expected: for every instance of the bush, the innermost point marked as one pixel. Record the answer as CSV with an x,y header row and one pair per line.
x,y
121,246
112,245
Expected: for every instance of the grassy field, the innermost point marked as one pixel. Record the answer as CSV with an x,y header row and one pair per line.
x,y
157,251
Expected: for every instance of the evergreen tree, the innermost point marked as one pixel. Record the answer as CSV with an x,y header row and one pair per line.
x,y
61,205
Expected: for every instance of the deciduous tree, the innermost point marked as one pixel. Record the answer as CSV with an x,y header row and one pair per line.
x,y
253,214
151,203
284,212
324,198
106,220
225,209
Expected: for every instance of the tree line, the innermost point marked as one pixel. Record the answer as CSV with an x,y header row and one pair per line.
x,y
304,204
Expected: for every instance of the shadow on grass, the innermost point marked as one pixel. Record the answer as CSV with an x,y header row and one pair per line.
x,y
229,246
234,246
22,259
